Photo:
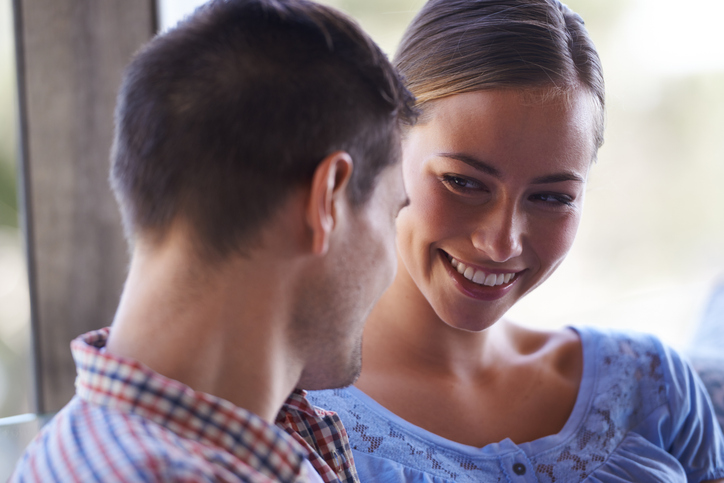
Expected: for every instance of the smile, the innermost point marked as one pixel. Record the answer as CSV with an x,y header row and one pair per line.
x,y
479,276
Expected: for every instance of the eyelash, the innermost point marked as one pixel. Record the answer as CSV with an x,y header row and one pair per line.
x,y
454,183
558,199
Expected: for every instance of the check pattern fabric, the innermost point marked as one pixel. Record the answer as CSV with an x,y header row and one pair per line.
x,y
128,423
324,436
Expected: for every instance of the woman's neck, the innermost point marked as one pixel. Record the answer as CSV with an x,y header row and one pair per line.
x,y
474,388
404,330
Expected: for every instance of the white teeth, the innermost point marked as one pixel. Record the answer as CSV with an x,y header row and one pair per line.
x,y
480,277
469,272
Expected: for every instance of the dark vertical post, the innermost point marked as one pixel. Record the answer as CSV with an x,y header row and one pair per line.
x,y
70,56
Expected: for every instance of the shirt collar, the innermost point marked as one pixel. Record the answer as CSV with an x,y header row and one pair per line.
x,y
298,400
129,386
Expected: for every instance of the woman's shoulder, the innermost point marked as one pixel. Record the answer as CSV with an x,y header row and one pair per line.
x,y
640,358
623,375
595,342
630,371
561,348
647,391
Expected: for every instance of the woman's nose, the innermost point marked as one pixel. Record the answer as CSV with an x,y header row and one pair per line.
x,y
499,232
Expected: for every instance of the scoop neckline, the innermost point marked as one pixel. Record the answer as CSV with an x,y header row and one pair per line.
x,y
530,448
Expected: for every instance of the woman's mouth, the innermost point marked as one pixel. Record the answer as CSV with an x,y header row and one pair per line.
x,y
478,282
479,276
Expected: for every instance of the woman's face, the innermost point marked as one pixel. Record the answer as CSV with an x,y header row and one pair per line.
x,y
496,181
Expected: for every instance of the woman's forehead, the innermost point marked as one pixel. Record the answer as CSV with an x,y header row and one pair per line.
x,y
510,124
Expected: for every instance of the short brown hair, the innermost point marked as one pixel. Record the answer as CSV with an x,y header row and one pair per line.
x,y
220,118
456,46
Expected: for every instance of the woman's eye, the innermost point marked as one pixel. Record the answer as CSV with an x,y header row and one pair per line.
x,y
553,199
459,183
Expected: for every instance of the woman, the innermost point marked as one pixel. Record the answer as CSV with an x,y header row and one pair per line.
x,y
511,98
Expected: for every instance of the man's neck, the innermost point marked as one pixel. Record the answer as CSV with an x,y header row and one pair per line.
x,y
223,331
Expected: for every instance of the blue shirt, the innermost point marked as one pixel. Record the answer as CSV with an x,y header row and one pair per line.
x,y
641,415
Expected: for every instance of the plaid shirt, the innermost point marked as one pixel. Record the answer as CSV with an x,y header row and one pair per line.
x,y
130,424
322,434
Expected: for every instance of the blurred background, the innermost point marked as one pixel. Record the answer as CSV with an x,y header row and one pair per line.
x,y
15,357
651,245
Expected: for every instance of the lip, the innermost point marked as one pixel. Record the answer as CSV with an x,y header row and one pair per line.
x,y
474,290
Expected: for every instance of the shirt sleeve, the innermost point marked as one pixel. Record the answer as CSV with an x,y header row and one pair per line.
x,y
694,435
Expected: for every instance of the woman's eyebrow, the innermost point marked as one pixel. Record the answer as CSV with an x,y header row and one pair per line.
x,y
473,162
557,178
494,172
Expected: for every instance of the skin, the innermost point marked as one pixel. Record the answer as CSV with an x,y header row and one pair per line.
x,y
496,180
252,322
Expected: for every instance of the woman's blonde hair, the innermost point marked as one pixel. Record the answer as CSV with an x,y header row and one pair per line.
x,y
456,46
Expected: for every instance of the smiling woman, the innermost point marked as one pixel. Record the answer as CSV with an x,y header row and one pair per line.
x,y
511,93
497,178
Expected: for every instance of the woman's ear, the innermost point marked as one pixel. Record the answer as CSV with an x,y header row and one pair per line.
x,y
328,184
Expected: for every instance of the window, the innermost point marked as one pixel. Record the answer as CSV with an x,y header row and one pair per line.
x,y
16,380
15,367
70,60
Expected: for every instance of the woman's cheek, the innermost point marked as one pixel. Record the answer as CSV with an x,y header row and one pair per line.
x,y
558,240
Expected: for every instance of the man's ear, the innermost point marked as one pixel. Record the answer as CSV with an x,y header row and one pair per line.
x,y
329,183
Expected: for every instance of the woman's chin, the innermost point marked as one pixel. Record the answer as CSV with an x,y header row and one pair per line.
x,y
469,322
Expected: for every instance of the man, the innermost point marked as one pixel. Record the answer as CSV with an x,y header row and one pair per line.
x,y
256,166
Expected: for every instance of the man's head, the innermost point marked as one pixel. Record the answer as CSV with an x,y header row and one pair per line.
x,y
262,137
219,119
